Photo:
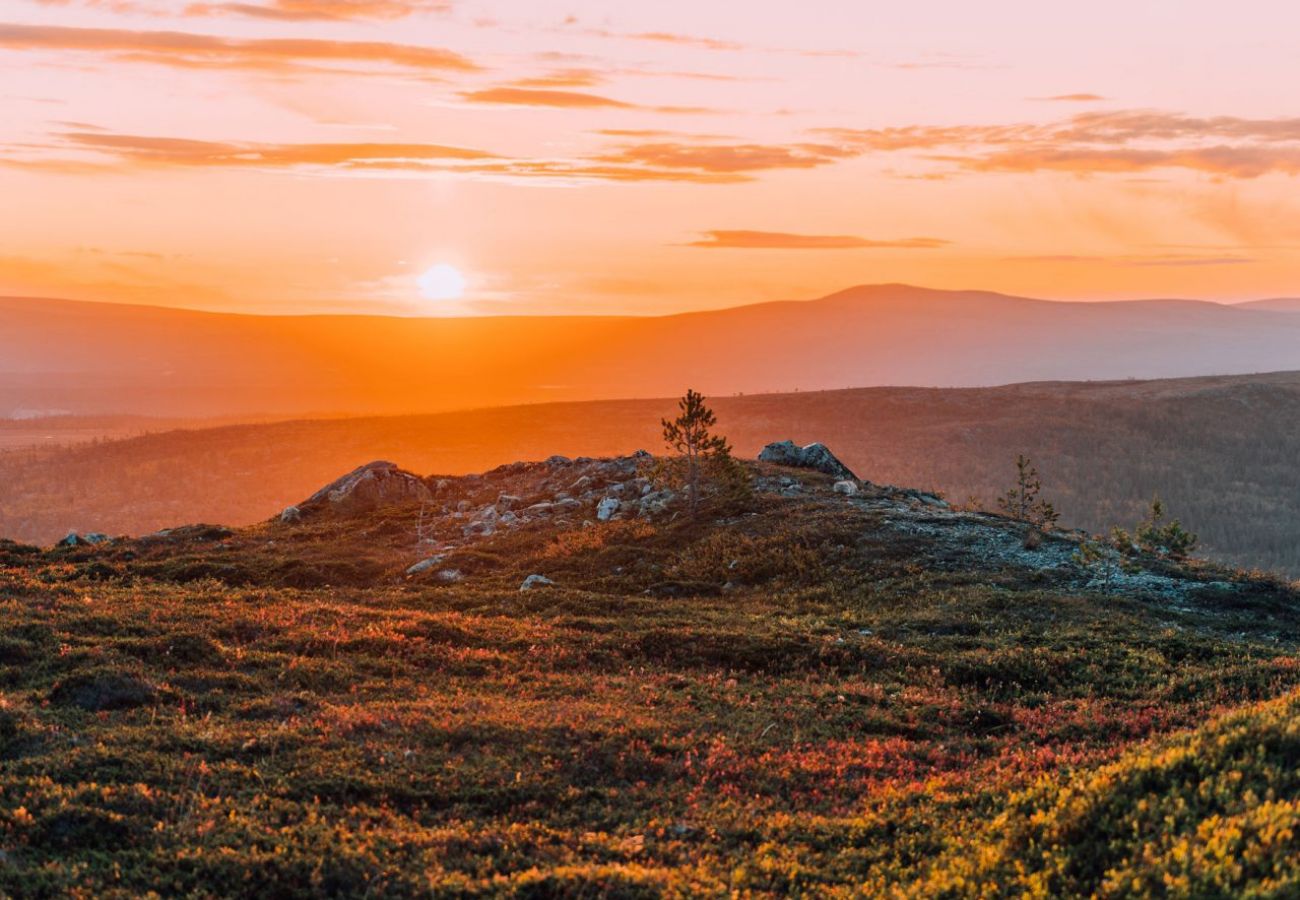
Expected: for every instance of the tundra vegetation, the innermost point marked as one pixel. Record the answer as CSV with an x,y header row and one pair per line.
x,y
809,693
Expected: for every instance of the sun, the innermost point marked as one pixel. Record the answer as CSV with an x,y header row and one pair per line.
x,y
442,282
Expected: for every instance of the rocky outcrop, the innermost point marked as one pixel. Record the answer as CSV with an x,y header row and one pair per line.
x,y
365,489
812,456
84,540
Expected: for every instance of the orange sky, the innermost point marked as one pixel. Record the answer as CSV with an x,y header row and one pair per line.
x,y
584,157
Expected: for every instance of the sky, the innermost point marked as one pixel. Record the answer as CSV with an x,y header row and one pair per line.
x,y
517,157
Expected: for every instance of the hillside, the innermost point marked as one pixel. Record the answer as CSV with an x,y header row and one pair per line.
x,y
804,691
93,359
1220,450
1276,304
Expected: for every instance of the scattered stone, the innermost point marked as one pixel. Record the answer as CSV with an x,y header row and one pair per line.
x,y
448,576
290,514
535,581
848,488
606,508
811,456
481,528
656,502
557,461
425,565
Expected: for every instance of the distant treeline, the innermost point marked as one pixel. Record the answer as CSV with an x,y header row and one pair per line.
x,y
1222,452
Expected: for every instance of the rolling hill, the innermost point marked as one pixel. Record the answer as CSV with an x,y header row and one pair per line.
x,y
1276,304
1220,450
89,358
801,692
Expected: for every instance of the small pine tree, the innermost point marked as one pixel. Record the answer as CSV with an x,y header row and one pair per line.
x,y
1155,535
690,436
1107,558
1023,502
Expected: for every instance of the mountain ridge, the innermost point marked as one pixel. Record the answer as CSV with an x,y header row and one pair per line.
x,y
90,358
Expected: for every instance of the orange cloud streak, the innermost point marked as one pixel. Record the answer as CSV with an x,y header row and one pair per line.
x,y
187,49
778,240
529,97
332,10
180,152
726,158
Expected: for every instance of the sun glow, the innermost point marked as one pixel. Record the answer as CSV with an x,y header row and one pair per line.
x,y
442,282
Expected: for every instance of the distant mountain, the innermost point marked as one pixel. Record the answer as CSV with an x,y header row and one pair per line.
x,y
98,358
1221,451
1277,304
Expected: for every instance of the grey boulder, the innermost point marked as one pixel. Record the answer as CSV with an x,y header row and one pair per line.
x,y
370,487
606,508
817,457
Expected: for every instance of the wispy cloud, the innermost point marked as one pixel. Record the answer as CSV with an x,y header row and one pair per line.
x,y
725,157
1072,98
556,99
1127,141
562,78
1156,260
187,49
779,240
508,96
181,152
84,152
666,37
328,10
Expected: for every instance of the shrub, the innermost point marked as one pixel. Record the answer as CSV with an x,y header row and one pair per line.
x,y
103,689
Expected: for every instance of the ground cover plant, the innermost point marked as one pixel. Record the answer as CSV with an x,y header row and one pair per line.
x,y
817,693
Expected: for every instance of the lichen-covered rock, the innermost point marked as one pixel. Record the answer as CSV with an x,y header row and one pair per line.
x,y
606,508
84,540
535,581
367,488
425,565
811,456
